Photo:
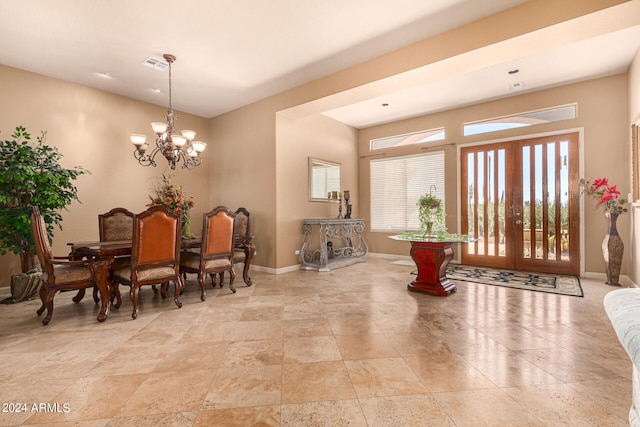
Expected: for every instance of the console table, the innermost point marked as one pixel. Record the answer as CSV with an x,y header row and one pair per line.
x,y
339,243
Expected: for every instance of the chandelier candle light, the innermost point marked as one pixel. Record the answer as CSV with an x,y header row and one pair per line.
x,y
174,145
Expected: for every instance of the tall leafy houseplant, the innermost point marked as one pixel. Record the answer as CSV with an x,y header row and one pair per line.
x,y
31,175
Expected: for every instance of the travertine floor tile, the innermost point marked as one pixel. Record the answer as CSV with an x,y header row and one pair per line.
x,y
254,352
311,349
307,327
383,377
561,404
177,420
92,398
447,372
510,369
491,407
312,382
263,416
348,347
418,410
236,387
365,346
165,392
328,413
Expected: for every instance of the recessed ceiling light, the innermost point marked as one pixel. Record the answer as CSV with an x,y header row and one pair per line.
x,y
156,90
515,71
104,75
385,104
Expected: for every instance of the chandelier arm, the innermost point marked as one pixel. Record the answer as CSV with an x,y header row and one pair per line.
x,y
173,152
146,159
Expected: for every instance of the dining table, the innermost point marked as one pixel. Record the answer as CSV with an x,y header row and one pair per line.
x,y
101,255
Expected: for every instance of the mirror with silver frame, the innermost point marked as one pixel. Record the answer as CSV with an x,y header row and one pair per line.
x,y
324,178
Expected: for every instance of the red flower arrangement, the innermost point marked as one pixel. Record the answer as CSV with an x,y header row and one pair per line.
x,y
605,195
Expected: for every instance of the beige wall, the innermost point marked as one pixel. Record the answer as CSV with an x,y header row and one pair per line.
x,y
244,153
602,115
319,137
90,128
634,117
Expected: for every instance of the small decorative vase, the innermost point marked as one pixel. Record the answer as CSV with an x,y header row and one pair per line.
x,y
186,226
429,229
612,249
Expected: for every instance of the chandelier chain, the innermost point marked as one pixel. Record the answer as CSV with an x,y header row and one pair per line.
x,y
176,146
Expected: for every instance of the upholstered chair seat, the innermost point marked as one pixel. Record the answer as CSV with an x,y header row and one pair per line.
x,y
158,273
155,255
192,260
58,273
216,249
68,273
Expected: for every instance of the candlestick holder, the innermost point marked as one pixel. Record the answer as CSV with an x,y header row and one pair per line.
x,y
339,206
347,205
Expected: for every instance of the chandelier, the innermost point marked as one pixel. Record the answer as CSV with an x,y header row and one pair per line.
x,y
176,146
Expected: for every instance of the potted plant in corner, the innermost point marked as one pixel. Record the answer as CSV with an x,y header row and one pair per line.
x,y
31,175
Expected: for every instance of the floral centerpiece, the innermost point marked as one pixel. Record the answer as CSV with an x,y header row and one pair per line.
x,y
608,196
605,195
175,200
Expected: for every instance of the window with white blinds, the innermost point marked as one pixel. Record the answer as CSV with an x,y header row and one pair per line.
x,y
396,185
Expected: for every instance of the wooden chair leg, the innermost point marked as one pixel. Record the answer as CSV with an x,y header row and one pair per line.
x,y
96,295
133,294
179,286
213,280
163,290
79,296
203,293
232,275
49,304
115,294
43,298
245,274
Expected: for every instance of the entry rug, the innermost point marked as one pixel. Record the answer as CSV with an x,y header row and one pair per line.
x,y
540,282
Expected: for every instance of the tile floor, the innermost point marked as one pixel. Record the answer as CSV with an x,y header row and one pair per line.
x,y
350,347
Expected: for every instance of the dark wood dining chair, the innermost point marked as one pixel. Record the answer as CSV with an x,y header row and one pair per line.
x,y
155,255
216,249
117,224
58,273
243,247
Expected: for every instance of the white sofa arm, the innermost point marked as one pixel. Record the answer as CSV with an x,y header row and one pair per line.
x,y
623,308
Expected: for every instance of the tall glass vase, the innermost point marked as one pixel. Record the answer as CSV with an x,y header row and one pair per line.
x,y
612,249
186,226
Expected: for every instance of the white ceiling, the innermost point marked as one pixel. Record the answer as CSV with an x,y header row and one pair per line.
x,y
231,53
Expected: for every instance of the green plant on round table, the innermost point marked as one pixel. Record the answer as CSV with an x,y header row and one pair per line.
x,y
431,215
31,175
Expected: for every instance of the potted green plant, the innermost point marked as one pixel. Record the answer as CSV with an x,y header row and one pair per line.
x,y
431,215
31,174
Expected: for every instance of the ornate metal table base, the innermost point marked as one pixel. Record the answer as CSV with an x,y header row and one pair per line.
x,y
332,233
